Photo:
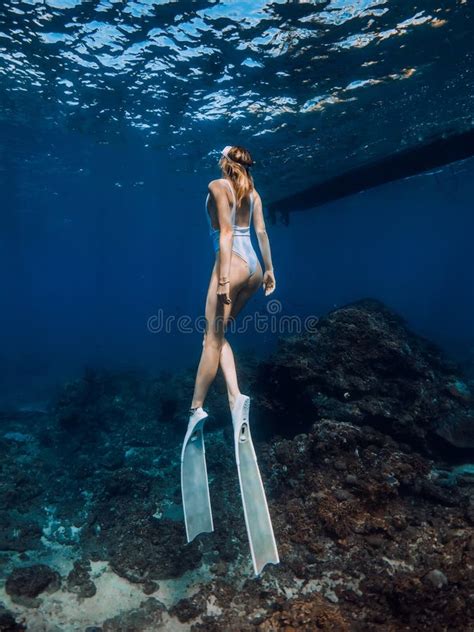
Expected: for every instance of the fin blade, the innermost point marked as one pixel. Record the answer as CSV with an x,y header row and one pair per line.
x,y
257,516
195,486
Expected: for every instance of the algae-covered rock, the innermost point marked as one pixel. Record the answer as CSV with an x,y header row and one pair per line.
x,y
25,583
363,365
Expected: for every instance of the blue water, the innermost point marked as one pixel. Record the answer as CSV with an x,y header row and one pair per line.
x,y
116,236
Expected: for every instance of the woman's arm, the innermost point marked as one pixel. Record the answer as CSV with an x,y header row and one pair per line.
x,y
269,283
226,237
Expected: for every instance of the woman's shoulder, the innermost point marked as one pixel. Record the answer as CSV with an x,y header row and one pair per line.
x,y
216,184
221,183
256,194
217,181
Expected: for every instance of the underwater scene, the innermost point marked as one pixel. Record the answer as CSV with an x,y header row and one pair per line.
x,y
236,327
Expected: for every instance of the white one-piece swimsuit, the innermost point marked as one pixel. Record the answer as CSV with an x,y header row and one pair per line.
x,y
242,245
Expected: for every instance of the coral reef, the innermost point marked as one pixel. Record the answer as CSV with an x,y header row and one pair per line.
x,y
363,365
372,499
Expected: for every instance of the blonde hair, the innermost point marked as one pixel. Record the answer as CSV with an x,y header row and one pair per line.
x,y
236,166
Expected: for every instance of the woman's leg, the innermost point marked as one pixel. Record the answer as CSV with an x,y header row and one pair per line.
x,y
217,316
227,360
227,363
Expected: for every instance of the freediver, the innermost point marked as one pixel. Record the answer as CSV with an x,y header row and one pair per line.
x,y
231,205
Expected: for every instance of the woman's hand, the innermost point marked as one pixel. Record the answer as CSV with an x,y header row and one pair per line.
x,y
223,289
269,283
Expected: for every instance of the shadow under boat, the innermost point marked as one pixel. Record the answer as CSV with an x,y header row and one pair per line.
x,y
409,162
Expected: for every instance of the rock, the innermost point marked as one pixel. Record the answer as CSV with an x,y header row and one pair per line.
x,y
188,608
78,580
398,382
342,494
437,578
376,540
470,510
113,459
150,587
24,584
442,495
17,534
306,614
8,622
458,430
147,616
459,389
142,548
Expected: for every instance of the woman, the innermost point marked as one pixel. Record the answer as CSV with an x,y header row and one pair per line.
x,y
231,205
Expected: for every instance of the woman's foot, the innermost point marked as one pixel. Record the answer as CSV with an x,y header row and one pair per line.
x,y
196,403
195,414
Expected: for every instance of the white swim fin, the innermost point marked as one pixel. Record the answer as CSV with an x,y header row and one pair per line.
x,y
194,482
257,517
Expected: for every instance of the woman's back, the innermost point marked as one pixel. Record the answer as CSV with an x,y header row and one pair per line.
x,y
241,219
241,216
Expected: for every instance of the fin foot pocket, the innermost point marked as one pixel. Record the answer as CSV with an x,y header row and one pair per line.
x,y
243,433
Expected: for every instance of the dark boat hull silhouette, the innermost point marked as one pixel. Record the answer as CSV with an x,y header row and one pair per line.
x,y
410,162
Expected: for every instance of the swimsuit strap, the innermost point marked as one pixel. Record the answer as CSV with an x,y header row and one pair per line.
x,y
234,207
252,202
206,211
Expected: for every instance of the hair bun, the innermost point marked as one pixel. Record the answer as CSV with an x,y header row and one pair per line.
x,y
244,160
